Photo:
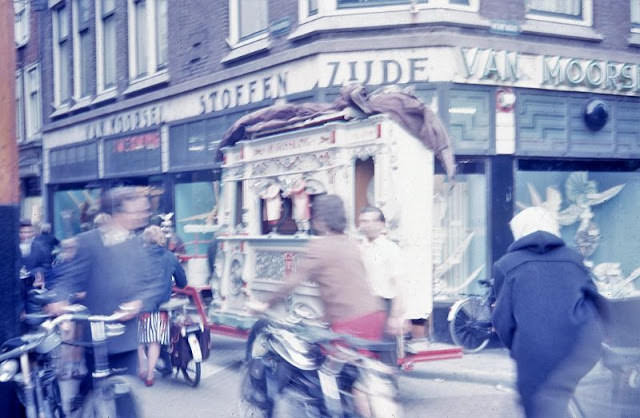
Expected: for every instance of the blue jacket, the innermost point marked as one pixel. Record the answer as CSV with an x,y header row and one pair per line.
x,y
165,266
110,275
547,309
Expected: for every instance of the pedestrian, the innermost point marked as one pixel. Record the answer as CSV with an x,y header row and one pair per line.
x,y
111,268
334,262
35,263
383,262
153,324
47,240
547,313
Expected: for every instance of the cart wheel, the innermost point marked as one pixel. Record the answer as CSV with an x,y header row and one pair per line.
x,y
470,325
192,372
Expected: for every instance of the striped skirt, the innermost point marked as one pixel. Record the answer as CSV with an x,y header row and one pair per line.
x,y
153,327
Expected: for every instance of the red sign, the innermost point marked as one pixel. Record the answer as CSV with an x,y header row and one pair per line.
x,y
148,141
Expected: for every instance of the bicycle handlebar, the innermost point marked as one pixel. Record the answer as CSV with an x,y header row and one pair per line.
x,y
50,325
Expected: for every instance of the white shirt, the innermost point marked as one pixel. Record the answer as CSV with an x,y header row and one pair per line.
x,y
383,260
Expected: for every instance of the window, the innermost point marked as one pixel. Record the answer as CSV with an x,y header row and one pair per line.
x,y
148,47
327,15
247,20
369,3
61,56
82,49
21,27
459,244
635,14
105,45
570,11
33,101
19,108
595,204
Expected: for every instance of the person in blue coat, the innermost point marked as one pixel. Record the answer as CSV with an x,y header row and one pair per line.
x,y
153,324
547,313
110,267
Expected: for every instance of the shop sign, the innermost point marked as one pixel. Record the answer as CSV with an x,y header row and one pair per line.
x,y
123,122
134,154
524,70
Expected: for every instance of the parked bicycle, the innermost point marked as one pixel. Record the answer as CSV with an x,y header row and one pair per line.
x,y
188,342
27,364
470,319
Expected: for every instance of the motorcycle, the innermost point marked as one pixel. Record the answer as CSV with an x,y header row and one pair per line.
x,y
297,367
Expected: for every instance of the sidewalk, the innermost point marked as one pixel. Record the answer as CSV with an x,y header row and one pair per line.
x,y
491,366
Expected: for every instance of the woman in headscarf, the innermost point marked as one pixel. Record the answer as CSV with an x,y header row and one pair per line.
x,y
153,325
546,313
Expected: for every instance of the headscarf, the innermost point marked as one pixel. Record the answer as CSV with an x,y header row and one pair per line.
x,y
534,219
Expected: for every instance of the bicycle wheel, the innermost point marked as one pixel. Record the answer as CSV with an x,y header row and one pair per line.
x,y
192,372
470,324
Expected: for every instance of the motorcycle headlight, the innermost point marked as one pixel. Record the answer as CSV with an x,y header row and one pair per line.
x,y
8,369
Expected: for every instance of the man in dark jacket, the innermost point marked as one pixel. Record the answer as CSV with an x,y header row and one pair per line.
x,y
546,314
112,269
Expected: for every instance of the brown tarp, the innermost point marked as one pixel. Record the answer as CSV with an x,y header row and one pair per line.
x,y
354,101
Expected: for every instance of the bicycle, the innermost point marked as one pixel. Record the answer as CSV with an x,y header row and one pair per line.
x,y
188,343
110,396
470,320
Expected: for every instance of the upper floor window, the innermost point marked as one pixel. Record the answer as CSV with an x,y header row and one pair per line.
x,y
105,45
21,26
247,20
148,37
61,55
369,3
328,15
32,101
570,11
82,49
19,107
635,14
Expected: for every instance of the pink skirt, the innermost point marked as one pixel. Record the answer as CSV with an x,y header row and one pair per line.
x,y
368,327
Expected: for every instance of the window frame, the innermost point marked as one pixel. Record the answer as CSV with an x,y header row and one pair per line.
x,y
635,26
155,72
235,39
101,16
19,100
32,115
585,19
81,69
330,16
58,103
25,12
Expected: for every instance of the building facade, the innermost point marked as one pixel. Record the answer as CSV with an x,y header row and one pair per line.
x,y
541,99
28,39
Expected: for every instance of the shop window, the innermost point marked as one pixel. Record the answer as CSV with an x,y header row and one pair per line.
x,y
196,201
73,210
459,238
596,207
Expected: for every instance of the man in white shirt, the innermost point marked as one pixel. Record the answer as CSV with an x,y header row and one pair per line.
x,y
383,261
